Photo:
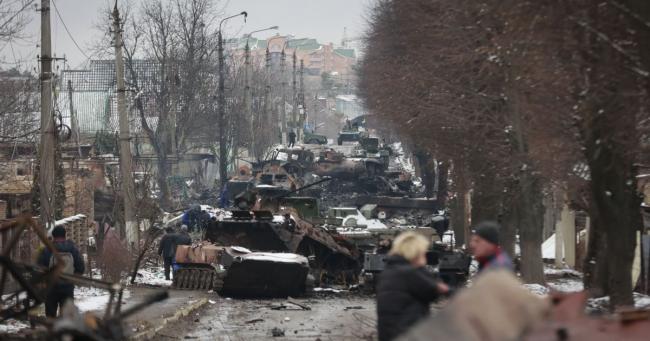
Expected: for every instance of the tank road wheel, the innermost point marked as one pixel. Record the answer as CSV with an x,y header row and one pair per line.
x,y
194,282
177,282
185,279
175,279
206,282
218,280
196,278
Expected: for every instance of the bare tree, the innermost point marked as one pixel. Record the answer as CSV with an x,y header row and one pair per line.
x,y
520,104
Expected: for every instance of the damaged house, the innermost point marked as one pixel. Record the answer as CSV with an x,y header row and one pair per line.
x,y
183,170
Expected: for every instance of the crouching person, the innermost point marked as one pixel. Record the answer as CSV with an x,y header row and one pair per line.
x,y
73,263
405,289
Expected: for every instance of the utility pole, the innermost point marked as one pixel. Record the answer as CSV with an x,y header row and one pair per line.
x,y
283,109
48,137
221,103
247,99
294,110
126,160
247,104
74,124
301,99
267,90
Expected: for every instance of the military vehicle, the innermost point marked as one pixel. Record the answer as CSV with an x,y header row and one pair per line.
x,y
311,138
451,266
349,168
348,136
293,161
261,231
237,271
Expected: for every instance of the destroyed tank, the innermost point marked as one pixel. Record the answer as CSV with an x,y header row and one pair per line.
x,y
336,165
329,257
237,271
274,240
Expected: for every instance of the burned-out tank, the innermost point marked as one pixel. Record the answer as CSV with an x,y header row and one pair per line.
x,y
237,271
329,256
336,165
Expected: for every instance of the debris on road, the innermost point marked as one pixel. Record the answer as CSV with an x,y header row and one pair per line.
x,y
356,307
277,332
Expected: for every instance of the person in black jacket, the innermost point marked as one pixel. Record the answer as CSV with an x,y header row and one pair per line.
x,y
183,238
73,264
167,249
405,289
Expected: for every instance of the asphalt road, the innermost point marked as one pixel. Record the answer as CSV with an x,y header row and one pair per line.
x,y
340,316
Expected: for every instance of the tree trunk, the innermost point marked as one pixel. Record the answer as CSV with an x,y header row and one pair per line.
x,y
618,207
508,233
531,228
486,199
163,184
595,266
458,207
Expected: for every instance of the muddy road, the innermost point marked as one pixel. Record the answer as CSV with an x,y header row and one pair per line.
x,y
339,316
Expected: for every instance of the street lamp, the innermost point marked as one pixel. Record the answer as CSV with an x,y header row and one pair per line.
x,y
221,101
262,30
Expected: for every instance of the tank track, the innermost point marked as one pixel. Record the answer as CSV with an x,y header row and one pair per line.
x,y
198,279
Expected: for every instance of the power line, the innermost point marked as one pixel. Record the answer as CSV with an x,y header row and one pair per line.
x,y
67,30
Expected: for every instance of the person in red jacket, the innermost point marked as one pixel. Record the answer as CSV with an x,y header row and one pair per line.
x,y
485,247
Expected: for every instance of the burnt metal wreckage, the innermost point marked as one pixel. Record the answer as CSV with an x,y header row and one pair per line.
x,y
32,283
275,241
290,255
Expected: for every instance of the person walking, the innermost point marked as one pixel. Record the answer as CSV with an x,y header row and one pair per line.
x,y
73,263
292,139
485,247
405,289
183,238
167,249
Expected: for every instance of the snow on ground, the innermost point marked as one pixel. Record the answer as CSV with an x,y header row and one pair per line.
x,y
569,280
332,290
93,299
277,257
537,289
152,276
567,285
12,326
599,305
549,271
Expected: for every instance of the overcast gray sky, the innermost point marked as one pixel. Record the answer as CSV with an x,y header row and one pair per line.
x,y
321,19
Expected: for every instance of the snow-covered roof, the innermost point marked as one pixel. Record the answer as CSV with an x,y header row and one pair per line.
x,y
69,220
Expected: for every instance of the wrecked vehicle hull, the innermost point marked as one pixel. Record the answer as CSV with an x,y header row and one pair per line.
x,y
348,169
329,259
236,271
266,275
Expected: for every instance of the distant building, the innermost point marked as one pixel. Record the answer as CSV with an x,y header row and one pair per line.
x,y
350,106
317,58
